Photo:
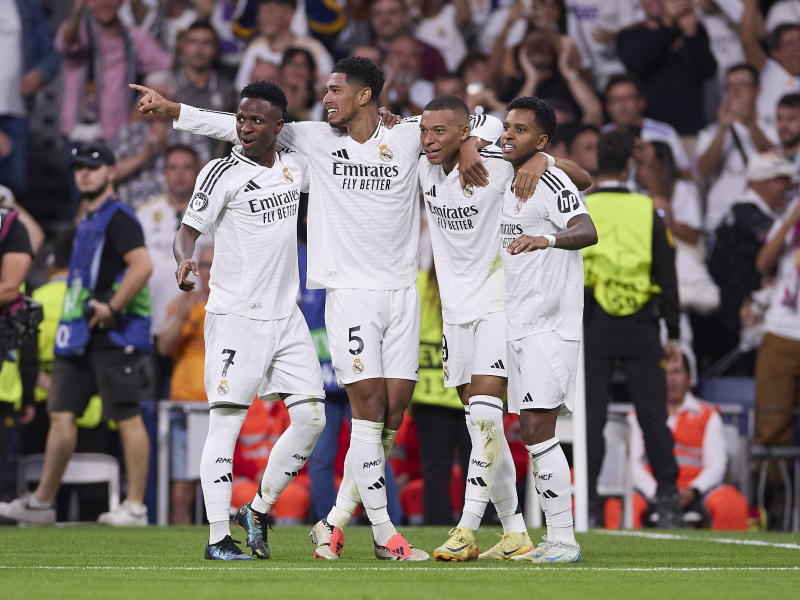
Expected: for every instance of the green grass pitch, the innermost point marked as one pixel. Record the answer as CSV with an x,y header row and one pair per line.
x,y
87,562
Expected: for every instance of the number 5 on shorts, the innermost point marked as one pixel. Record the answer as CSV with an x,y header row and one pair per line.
x,y
227,361
355,338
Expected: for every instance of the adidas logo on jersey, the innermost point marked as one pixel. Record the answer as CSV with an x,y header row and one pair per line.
x,y
431,192
341,154
527,398
251,186
225,479
477,481
378,484
549,494
498,365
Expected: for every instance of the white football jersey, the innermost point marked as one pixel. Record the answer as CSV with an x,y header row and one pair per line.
x,y
543,288
251,213
463,225
363,211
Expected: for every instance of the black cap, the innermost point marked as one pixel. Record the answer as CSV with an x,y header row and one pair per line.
x,y
92,155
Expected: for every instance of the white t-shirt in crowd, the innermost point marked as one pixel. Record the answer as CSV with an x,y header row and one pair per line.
x,y
160,221
250,211
363,210
442,33
725,187
543,288
11,68
726,46
259,50
783,11
686,206
782,317
583,17
776,82
463,225
658,131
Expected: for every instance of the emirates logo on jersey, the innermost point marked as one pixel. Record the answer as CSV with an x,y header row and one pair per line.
x,y
385,154
469,190
287,175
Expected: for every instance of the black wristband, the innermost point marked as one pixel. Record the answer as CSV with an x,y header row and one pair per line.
x,y
116,314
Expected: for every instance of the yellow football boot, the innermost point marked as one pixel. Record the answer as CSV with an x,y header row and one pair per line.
x,y
461,547
512,543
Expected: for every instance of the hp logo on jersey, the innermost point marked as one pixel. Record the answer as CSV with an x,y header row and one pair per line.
x,y
567,201
199,202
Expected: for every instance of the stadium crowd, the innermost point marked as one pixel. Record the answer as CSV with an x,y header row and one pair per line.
x,y
709,90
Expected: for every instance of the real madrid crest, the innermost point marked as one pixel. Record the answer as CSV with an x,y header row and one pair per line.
x,y
385,154
223,388
446,373
518,207
468,190
287,176
358,366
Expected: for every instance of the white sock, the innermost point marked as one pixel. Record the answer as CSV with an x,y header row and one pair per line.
x,y
504,494
216,465
553,484
368,464
348,498
291,451
486,457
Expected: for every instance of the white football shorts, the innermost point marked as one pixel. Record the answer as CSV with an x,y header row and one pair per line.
x,y
373,333
474,348
246,358
542,368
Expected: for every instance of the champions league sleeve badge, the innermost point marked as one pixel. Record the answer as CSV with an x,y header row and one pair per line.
x,y
199,202
385,154
287,175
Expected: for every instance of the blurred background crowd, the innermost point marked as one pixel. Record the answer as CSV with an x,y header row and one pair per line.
x,y
709,88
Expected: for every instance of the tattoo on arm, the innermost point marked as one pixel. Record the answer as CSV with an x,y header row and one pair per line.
x,y
580,233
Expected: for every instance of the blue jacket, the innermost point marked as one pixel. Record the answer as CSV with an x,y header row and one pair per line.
x,y
37,44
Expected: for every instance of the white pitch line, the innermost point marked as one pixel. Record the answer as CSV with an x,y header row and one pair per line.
x,y
672,536
454,569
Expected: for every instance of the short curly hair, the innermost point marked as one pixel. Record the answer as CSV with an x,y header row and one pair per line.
x,y
545,115
264,90
361,72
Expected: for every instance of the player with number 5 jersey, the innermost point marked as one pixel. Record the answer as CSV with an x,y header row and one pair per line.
x,y
256,340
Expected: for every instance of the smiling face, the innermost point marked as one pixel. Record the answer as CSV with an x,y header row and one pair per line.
x,y
257,124
522,136
442,133
342,100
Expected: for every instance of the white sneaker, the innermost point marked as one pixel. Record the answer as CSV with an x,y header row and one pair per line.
x,y
127,514
22,510
557,552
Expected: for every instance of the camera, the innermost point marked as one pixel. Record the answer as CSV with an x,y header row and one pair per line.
x,y
19,321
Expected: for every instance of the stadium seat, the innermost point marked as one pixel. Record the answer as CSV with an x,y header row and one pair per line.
x,y
87,467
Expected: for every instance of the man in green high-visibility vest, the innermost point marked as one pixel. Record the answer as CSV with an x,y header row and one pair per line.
x,y
630,283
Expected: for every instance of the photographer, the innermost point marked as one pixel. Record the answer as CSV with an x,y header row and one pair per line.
x,y
105,326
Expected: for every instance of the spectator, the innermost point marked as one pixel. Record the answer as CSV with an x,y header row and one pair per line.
x,y
266,71
181,338
725,147
701,453
475,72
721,19
141,146
779,68
594,24
370,52
389,20
670,53
199,83
626,104
621,318
405,91
298,81
165,20
160,218
777,365
450,85
732,262
101,57
582,147
438,411
551,72
788,121
35,232
783,11
106,327
442,26
31,61
274,18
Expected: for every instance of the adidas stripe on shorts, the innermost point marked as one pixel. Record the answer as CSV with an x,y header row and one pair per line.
x,y
542,368
474,348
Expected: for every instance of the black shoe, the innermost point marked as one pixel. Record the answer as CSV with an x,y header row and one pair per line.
x,y
256,525
225,549
670,515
